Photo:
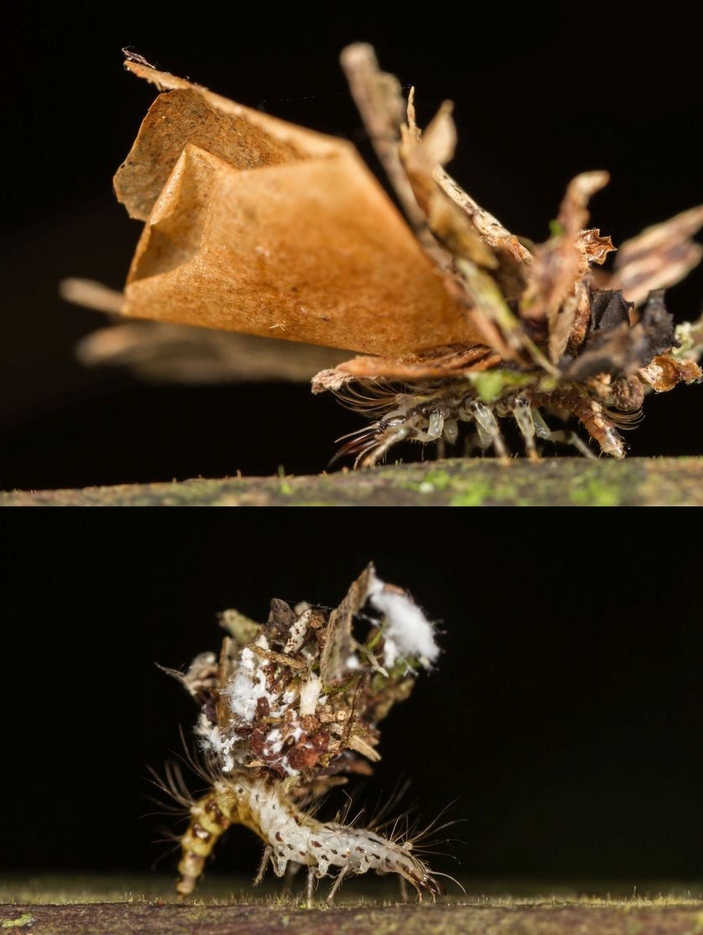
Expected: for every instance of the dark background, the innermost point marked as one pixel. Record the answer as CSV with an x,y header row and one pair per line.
x,y
540,94
562,726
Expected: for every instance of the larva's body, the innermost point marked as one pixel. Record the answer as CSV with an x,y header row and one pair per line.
x,y
293,838
290,707
434,412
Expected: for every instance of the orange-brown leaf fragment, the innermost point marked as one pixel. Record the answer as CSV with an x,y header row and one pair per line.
x,y
253,224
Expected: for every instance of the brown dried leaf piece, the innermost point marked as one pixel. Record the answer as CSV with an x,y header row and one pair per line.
x,y
659,257
161,352
258,226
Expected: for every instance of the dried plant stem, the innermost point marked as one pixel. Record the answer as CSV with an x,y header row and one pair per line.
x,y
375,94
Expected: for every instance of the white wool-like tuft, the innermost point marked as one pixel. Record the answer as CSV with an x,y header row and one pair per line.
x,y
247,686
309,694
408,632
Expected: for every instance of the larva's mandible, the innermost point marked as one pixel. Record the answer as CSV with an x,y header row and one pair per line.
x,y
290,709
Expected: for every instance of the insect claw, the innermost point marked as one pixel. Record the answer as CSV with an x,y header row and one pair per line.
x,y
435,888
430,885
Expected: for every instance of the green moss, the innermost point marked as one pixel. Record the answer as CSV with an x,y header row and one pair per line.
x,y
472,495
594,492
436,479
20,922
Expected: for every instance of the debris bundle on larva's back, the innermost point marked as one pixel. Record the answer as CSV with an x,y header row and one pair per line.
x,y
289,709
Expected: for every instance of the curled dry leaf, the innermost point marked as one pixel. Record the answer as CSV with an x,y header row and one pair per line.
x,y
262,228
161,352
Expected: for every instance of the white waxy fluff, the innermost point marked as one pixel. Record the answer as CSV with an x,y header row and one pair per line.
x,y
213,742
309,694
247,686
274,742
408,633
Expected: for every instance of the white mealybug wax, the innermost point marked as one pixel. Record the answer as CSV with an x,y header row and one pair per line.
x,y
309,694
408,633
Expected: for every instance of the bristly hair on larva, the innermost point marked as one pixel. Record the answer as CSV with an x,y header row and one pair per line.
x,y
291,708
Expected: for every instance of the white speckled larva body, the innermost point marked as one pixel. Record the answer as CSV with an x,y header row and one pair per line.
x,y
287,711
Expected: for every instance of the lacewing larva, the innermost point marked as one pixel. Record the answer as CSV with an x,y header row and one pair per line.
x,y
258,227
288,710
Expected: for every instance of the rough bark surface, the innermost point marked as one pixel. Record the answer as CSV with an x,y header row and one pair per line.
x,y
468,482
116,907
115,919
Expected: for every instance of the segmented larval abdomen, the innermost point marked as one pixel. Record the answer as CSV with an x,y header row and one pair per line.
x,y
293,837
357,850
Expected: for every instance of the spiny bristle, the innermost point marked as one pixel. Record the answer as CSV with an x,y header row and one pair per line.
x,y
626,421
368,395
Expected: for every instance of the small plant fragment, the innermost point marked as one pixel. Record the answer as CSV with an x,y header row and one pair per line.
x,y
261,227
288,710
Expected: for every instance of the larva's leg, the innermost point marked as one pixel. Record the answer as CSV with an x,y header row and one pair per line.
x,y
292,869
561,435
208,820
522,413
337,883
404,891
488,430
571,438
312,881
390,437
265,858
